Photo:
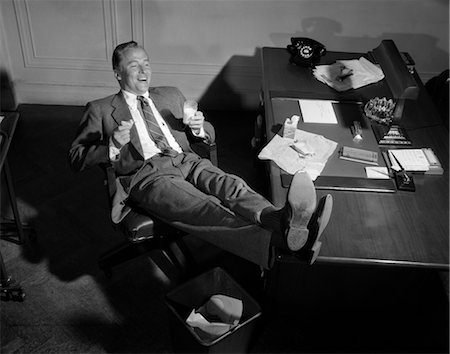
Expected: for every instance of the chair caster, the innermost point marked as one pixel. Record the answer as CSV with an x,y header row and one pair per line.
x,y
10,290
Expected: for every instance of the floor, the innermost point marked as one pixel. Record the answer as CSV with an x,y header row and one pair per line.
x,y
71,307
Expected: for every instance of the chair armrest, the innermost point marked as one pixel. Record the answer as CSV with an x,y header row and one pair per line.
x,y
206,150
136,226
110,180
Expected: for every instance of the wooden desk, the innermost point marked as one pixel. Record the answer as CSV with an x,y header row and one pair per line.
x,y
402,228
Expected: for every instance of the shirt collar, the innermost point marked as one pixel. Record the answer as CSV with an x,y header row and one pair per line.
x,y
131,98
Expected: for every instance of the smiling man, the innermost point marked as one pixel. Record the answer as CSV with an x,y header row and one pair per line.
x,y
140,131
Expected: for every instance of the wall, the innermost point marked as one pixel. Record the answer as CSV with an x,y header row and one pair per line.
x,y
58,51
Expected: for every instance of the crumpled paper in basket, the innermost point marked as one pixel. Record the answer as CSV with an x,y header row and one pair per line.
x,y
217,316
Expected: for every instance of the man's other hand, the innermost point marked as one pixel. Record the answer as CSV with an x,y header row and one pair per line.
x,y
121,136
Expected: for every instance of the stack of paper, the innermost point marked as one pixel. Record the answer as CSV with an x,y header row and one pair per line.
x,y
363,73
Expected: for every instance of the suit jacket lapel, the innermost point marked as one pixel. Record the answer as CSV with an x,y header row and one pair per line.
x,y
121,113
166,105
160,107
120,108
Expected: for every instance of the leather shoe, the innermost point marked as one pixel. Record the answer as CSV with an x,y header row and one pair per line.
x,y
299,208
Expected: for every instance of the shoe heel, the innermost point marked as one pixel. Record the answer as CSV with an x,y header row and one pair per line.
x,y
327,201
297,237
315,250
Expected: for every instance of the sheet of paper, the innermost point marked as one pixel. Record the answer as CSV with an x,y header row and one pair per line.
x,y
377,172
318,111
280,151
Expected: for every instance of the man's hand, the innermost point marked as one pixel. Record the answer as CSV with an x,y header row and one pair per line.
x,y
121,136
196,122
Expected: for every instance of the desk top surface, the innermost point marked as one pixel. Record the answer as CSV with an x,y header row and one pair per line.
x,y
401,228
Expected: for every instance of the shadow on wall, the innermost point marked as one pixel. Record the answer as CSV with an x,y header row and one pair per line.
x,y
327,31
237,85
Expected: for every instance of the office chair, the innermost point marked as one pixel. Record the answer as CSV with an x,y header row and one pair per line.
x,y
147,235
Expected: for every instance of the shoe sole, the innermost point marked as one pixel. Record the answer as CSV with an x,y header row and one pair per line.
x,y
323,217
301,196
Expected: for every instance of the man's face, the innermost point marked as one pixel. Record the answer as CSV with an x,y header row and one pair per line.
x,y
134,71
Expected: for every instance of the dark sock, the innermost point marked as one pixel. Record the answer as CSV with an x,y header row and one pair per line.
x,y
271,219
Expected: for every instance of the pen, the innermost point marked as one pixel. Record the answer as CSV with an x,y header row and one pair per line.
x,y
402,170
396,160
388,163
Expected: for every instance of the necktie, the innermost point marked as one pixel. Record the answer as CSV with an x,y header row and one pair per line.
x,y
154,129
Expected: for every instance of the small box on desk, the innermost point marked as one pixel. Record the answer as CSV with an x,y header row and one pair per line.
x,y
359,155
193,294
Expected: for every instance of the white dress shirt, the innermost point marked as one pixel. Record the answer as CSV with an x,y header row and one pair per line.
x,y
148,146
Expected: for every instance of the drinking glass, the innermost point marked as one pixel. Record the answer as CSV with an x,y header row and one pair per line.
x,y
190,107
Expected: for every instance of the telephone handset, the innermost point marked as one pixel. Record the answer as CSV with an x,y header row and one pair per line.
x,y
305,51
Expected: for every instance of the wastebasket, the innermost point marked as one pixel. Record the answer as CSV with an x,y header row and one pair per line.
x,y
193,294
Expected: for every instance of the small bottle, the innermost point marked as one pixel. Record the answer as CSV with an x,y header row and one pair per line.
x,y
290,127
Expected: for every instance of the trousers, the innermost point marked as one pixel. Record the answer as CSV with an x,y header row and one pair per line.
x,y
191,190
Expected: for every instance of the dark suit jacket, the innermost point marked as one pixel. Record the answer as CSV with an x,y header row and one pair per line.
x,y
101,117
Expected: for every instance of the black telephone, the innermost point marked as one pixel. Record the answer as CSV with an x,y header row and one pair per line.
x,y
305,51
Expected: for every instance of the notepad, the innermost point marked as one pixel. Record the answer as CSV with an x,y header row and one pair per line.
x,y
377,172
409,159
318,111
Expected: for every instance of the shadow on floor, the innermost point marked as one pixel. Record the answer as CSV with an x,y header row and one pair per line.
x,y
71,306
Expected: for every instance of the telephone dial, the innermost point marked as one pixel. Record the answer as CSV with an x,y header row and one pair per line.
x,y
305,51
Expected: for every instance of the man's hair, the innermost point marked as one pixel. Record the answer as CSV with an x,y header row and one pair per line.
x,y
117,54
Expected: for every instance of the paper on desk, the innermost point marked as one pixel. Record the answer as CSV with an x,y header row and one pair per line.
x,y
364,73
279,151
377,172
317,111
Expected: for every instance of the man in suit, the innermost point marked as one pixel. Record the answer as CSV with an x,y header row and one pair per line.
x,y
140,130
